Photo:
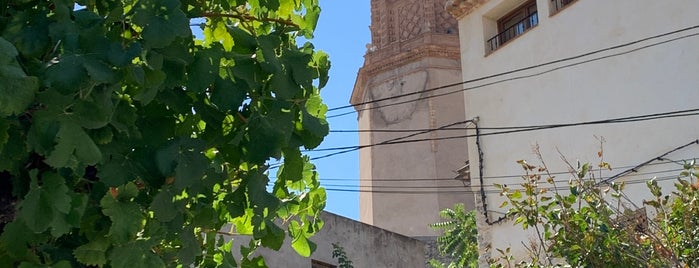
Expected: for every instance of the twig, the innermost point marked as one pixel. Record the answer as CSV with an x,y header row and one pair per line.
x,y
246,17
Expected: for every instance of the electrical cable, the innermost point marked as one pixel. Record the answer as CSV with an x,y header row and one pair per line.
x,y
496,191
518,77
392,130
519,176
486,185
395,139
680,113
516,129
538,66
660,157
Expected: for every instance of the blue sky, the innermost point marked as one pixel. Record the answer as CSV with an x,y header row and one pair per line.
x,y
342,32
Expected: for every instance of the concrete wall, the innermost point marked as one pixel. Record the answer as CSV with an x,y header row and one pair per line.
x,y
639,80
365,246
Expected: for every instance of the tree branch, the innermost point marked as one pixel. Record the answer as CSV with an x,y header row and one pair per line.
x,y
246,17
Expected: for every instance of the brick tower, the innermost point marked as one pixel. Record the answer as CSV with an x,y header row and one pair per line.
x,y
415,47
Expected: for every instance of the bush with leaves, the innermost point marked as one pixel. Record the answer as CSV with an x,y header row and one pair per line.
x,y
342,260
126,142
459,240
586,223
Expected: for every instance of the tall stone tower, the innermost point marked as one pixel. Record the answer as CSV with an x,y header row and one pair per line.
x,y
415,47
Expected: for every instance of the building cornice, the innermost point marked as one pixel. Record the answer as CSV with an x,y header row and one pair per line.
x,y
460,8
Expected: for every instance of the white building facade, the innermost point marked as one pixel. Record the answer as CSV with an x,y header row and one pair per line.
x,y
544,62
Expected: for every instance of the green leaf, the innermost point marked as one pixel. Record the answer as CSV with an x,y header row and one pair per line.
x,y
284,86
16,238
153,79
258,195
96,111
270,132
302,73
190,249
136,254
29,32
300,242
99,71
126,216
322,63
93,253
236,203
517,194
17,89
162,21
71,141
504,204
68,75
243,224
292,169
190,169
120,56
115,172
223,255
245,43
274,238
257,262
227,95
219,33
163,206
266,54
203,72
46,202
583,171
4,135
315,127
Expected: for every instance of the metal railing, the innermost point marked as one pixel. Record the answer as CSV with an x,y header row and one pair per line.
x,y
559,4
513,31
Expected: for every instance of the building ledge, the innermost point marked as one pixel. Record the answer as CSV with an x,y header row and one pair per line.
x,y
460,8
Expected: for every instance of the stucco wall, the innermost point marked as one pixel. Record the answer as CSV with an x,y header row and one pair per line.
x,y
639,80
365,246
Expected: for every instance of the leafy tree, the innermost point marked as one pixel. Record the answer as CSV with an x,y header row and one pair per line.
x,y
589,224
592,225
459,242
341,255
127,142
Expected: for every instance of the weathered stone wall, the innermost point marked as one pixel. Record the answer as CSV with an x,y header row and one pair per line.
x,y
365,245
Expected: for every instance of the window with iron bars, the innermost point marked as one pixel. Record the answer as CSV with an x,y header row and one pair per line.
x,y
514,24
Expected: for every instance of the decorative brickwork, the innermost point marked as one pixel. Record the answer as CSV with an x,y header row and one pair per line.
x,y
395,21
445,23
405,31
410,25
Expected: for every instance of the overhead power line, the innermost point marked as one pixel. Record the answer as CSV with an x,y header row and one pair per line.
x,y
522,69
393,130
466,191
510,130
660,157
432,186
516,176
